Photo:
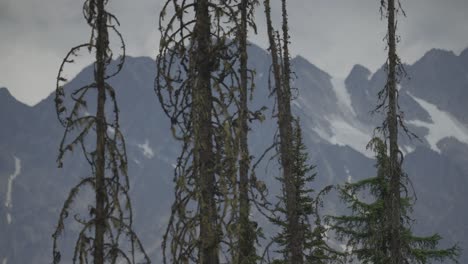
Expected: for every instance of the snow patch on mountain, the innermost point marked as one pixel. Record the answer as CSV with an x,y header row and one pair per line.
x,y
344,129
343,96
443,125
405,149
297,104
344,133
146,149
349,178
9,193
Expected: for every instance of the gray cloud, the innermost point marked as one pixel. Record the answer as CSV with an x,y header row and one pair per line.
x,y
333,34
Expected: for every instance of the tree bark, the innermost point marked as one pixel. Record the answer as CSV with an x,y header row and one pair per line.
x,y
245,241
283,95
284,103
101,127
246,233
395,170
203,135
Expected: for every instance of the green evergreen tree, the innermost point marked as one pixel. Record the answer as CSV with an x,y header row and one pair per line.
x,y
314,247
312,236
297,241
282,87
403,245
379,227
366,230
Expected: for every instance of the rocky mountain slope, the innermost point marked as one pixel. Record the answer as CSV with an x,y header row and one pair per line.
x,y
335,114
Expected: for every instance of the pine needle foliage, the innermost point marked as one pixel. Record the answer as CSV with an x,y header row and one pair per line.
x,y
106,234
279,50
298,242
365,230
313,234
378,230
404,246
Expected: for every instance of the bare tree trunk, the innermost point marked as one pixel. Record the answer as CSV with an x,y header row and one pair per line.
x,y
395,170
286,122
246,246
283,95
203,135
101,127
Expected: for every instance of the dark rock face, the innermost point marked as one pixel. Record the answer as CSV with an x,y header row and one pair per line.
x,y
337,124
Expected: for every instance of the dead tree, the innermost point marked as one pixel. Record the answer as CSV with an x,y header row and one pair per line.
x,y
107,235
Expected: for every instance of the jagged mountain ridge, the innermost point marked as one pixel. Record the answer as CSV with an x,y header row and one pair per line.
x,y
334,114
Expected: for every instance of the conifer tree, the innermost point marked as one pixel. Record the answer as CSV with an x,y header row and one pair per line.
x,y
201,65
281,75
247,232
299,241
106,235
365,230
379,229
202,85
312,235
203,156
403,245
245,243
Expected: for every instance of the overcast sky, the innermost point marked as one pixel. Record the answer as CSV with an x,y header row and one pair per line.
x,y
332,34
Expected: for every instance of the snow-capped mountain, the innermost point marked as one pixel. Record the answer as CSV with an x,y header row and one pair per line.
x,y
335,115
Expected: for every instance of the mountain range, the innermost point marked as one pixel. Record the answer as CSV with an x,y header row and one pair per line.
x,y
336,118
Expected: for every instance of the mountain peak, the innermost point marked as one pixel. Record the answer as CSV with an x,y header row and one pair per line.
x,y
464,53
301,62
300,59
4,91
9,104
437,54
437,57
359,70
6,95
